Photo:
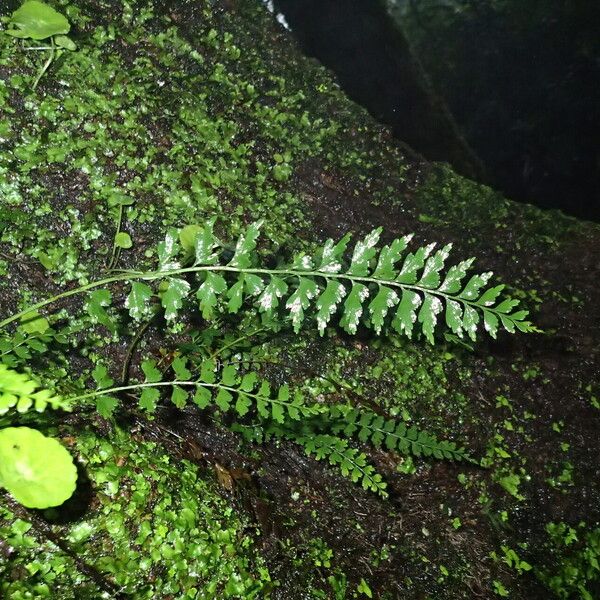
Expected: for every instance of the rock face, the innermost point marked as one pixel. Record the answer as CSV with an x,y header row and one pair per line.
x,y
170,113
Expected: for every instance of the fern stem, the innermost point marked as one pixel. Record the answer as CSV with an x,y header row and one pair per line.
x,y
135,386
152,275
45,66
67,294
236,341
115,250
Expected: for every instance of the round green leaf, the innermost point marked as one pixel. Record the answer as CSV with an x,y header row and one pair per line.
x,y
123,240
38,21
37,471
63,41
188,235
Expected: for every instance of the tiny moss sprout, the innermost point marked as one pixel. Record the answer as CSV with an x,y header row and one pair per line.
x,y
37,21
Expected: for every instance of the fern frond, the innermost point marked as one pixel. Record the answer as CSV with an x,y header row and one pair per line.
x,y
351,462
382,288
225,388
18,391
394,435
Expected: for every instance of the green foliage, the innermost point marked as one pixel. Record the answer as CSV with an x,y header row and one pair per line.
x,y
407,292
20,347
39,21
262,411
151,512
404,289
36,470
18,391
224,388
393,435
351,462
578,553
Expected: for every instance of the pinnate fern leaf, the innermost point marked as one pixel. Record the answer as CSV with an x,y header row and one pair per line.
x,y
394,435
382,288
18,391
225,388
351,462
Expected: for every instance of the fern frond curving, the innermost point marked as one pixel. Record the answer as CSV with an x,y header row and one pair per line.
x,y
394,435
351,462
382,288
225,389
18,391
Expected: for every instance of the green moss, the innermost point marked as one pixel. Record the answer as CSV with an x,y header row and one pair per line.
x,y
156,528
151,123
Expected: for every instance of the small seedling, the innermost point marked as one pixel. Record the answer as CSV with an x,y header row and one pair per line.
x,y
37,21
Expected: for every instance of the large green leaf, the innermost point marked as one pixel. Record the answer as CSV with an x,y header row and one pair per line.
x,y
38,21
37,471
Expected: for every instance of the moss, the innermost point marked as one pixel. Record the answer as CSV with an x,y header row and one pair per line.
x,y
156,528
159,121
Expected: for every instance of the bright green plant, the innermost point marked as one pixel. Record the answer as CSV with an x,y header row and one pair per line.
x,y
36,470
38,21
401,297
386,289
576,569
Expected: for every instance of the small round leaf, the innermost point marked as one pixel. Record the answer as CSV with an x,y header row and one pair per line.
x,y
37,471
63,41
38,21
123,240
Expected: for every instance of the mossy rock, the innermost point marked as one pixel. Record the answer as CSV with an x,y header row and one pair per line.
x,y
167,116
